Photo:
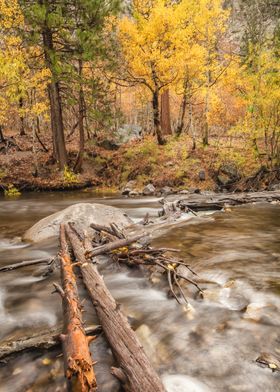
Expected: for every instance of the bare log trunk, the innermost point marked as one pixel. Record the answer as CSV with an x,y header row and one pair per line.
x,y
135,370
218,201
77,359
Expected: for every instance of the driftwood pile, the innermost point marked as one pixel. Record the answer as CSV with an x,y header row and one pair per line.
x,y
80,252
134,368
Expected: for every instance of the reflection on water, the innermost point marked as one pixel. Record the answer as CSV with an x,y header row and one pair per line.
x,y
209,347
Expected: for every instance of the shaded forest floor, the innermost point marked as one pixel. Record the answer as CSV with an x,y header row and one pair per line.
x,y
226,164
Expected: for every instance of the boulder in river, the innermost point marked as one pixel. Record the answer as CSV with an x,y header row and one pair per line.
x,y
129,187
166,190
149,190
84,213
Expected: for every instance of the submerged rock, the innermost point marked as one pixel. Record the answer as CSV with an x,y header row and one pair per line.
x,y
153,347
83,213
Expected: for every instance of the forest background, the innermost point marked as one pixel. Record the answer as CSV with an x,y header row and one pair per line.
x,y
181,94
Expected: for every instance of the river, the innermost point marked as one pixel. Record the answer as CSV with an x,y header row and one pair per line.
x,y
210,346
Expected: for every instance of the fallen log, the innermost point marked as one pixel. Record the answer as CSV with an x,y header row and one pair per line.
x,y
78,363
100,250
204,202
43,339
27,263
135,370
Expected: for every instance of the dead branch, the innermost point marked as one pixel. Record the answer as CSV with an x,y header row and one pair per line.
x,y
43,339
27,263
107,248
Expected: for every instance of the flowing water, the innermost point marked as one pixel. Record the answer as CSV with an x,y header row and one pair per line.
x,y
211,345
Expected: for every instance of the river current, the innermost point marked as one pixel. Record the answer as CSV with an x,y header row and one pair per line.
x,y
211,345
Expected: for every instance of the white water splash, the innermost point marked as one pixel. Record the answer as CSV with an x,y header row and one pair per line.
x,y
182,383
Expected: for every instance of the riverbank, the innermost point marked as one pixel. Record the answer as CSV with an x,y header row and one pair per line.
x,y
27,165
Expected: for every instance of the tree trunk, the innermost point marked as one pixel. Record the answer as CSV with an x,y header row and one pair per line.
x,y
135,370
79,161
165,119
205,136
59,148
156,118
22,130
2,138
77,358
192,128
181,122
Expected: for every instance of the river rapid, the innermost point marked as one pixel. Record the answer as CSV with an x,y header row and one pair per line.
x,y
211,345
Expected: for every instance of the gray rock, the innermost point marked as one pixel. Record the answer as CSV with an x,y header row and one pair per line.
x,y
127,133
83,213
230,170
149,190
153,347
202,175
166,190
129,187
223,180
133,193
275,187
194,190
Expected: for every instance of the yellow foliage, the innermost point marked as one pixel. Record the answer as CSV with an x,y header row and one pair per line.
x,y
12,191
165,42
17,79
